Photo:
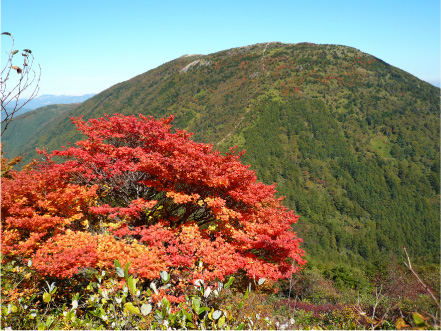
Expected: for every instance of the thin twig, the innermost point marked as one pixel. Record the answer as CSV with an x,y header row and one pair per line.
x,y
11,94
409,266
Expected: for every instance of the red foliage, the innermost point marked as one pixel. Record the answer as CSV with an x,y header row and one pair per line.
x,y
38,203
137,191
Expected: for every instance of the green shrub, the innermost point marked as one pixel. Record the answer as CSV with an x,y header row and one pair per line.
x,y
119,301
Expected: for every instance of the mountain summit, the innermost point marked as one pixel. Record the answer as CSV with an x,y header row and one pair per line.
x,y
352,141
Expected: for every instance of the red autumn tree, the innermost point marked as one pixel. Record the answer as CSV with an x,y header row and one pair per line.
x,y
138,191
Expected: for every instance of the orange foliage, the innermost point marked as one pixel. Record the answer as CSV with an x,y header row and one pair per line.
x,y
139,192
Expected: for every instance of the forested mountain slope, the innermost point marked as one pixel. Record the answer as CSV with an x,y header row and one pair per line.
x,y
26,126
352,141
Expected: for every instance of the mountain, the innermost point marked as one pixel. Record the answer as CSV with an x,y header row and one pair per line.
x,y
352,141
49,99
22,129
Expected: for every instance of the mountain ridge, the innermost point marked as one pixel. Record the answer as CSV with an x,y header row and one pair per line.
x,y
46,100
51,99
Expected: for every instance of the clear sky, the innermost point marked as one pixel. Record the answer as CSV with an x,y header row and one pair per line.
x,y
86,46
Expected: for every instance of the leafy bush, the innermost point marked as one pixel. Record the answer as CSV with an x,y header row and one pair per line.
x,y
136,191
119,301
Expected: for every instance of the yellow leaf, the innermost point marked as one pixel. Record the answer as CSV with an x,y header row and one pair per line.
x,y
419,319
131,308
46,297
221,321
401,324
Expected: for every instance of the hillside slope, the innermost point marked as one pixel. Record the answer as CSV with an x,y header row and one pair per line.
x,y
352,141
26,126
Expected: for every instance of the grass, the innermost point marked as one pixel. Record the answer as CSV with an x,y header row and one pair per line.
x,y
381,146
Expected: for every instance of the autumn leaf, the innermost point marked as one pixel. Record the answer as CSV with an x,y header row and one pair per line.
x,y
17,68
400,324
419,319
131,308
46,297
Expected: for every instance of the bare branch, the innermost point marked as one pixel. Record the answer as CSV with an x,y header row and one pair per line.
x,y
426,288
28,80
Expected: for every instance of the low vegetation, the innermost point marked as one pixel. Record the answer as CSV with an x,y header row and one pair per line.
x,y
116,300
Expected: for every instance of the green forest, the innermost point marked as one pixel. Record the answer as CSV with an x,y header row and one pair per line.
x,y
356,204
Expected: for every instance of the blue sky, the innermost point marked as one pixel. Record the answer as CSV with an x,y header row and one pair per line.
x,y
86,46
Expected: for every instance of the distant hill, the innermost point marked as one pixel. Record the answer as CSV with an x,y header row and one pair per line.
x,y
352,141
48,99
